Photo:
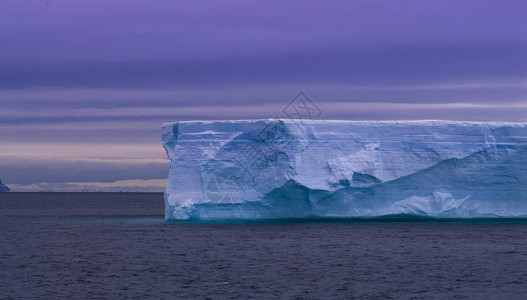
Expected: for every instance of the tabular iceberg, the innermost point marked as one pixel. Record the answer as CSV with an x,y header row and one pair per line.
x,y
284,168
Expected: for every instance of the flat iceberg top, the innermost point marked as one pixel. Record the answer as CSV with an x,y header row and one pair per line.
x,y
358,122
286,168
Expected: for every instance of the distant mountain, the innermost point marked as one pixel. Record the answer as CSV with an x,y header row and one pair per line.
x,y
3,187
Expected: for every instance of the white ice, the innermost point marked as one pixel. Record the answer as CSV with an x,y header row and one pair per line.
x,y
281,168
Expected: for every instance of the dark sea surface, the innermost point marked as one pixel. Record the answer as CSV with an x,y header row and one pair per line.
x,y
117,245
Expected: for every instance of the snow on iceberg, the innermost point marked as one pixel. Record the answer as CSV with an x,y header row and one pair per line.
x,y
283,168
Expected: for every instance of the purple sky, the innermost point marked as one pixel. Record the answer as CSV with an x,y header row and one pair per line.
x,y
85,85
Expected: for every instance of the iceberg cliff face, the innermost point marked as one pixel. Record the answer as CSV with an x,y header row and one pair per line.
x,y
268,169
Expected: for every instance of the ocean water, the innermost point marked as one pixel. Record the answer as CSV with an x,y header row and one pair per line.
x,y
117,245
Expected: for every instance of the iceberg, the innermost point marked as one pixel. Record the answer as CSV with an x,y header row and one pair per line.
x,y
286,168
3,187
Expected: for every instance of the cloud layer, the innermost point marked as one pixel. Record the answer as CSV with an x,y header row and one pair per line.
x,y
85,85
